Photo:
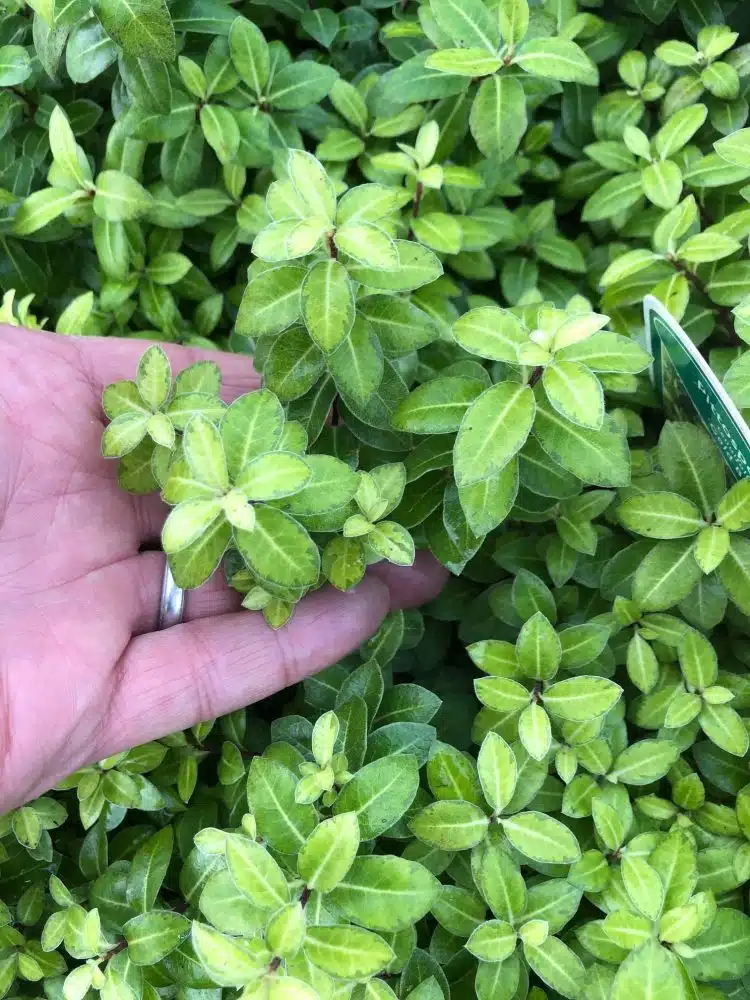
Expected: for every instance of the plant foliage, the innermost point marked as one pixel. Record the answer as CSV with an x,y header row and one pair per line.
x,y
432,226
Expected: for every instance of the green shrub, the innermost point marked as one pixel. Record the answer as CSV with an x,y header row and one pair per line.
x,y
432,225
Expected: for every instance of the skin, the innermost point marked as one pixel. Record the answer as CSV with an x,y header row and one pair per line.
x,y
82,673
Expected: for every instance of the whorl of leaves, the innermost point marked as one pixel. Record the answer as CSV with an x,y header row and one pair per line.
x,y
432,226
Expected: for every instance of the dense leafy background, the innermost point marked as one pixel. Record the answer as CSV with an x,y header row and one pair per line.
x,y
432,225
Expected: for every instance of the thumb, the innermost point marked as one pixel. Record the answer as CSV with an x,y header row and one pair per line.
x,y
197,671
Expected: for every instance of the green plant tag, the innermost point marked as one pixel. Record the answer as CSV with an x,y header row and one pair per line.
x,y
689,390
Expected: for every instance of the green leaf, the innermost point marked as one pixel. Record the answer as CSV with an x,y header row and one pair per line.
x,y
357,365
733,511
294,364
205,453
535,732
437,406
119,197
380,793
497,770
575,392
538,648
627,265
343,562
439,231
368,245
606,352
271,301
255,873
488,503
286,824
660,515
229,961
384,893
323,25
706,247
614,196
530,595
124,434
490,332
328,304
329,851
557,59
662,183
221,131
347,952
458,910
466,62
541,838
498,116
228,910
693,464
417,266
251,426
557,966
333,485
89,51
274,475
279,550
734,573
721,951
497,980
581,699
398,324
626,929
648,973
64,148
711,547
148,869
599,457
41,208
492,431
27,827
498,878
666,576
154,378
15,65
513,16
300,84
582,643
192,565
467,24
644,762
370,202
679,130
725,728
141,27
502,694
393,542
698,660
450,824
735,148
492,941
250,54
644,886
153,935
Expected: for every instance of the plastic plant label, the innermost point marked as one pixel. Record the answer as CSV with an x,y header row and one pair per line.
x,y
689,390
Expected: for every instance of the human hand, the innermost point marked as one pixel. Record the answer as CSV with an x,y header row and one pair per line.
x,y
82,674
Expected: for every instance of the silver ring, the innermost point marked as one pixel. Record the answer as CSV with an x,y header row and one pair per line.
x,y
172,606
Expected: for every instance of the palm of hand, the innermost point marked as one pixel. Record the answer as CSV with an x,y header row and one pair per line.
x,y
80,677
